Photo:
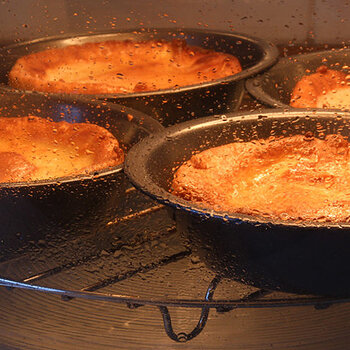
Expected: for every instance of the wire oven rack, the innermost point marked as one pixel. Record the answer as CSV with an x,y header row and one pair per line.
x,y
140,260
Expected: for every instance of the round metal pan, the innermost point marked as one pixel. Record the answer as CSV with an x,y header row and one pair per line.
x,y
170,106
69,206
274,87
302,257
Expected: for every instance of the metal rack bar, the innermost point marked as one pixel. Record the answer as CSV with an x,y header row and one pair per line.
x,y
182,337
118,278
81,261
186,303
137,214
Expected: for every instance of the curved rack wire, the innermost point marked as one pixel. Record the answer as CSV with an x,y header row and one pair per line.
x,y
250,301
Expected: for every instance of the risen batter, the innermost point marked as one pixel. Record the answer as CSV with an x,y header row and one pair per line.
x,y
327,88
293,178
33,148
120,67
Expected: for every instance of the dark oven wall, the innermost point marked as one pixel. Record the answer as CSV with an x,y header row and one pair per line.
x,y
283,22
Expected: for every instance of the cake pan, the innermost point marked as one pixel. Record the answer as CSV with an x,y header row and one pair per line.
x,y
170,106
63,208
299,257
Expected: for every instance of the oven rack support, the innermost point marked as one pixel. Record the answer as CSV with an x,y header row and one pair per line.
x,y
132,302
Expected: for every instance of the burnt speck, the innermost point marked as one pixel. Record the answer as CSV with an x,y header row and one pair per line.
x,y
308,136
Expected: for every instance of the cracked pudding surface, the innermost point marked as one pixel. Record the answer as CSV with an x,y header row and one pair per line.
x,y
296,178
34,148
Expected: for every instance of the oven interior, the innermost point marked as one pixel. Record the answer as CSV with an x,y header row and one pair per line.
x,y
139,285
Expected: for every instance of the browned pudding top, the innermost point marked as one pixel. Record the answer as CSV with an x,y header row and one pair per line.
x,y
293,178
33,148
120,67
327,88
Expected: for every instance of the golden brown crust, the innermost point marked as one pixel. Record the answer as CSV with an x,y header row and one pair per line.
x,y
293,178
33,148
120,67
309,88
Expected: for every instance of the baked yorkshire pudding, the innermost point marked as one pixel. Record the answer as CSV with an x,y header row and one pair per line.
x,y
34,148
120,67
327,88
299,178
